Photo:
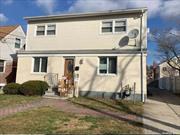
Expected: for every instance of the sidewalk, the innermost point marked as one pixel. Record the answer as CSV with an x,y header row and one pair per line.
x,y
161,113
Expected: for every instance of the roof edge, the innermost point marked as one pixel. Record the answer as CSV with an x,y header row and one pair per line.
x,y
90,51
87,14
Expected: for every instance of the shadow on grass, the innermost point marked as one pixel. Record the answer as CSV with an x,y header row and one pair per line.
x,y
123,107
126,109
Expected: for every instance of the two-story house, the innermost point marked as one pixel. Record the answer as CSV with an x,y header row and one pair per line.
x,y
107,50
12,39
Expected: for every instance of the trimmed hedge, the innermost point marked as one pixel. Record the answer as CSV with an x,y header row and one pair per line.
x,y
34,87
11,88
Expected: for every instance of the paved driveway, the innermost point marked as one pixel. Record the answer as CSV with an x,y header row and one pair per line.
x,y
162,112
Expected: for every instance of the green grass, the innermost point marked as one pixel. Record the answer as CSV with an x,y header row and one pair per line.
x,y
11,100
122,106
50,120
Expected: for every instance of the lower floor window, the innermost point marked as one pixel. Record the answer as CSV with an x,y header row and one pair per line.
x,y
40,64
107,65
2,65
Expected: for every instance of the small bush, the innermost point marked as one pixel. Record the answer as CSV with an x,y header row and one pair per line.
x,y
33,88
11,88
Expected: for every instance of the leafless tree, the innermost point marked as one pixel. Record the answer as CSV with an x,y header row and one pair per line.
x,y
168,42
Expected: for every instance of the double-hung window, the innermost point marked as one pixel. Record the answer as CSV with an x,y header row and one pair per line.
x,y
113,26
2,65
44,30
40,30
51,29
107,65
17,43
107,27
120,26
40,64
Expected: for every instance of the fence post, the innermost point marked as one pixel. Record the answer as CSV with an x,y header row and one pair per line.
x,y
134,92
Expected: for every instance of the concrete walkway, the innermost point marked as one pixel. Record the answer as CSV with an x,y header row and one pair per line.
x,y
161,112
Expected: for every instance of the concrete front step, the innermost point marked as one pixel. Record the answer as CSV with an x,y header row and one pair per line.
x,y
52,95
55,97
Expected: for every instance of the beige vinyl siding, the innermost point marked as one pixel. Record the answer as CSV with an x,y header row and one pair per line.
x,y
84,33
128,72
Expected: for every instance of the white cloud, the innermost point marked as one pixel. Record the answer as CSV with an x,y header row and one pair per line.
x,y
152,5
47,5
7,2
3,18
155,7
170,8
94,5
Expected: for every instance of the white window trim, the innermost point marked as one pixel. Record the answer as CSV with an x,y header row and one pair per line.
x,y
32,66
113,26
15,43
47,29
4,69
45,34
107,74
35,33
102,25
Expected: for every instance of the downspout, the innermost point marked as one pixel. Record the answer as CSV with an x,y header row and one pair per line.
x,y
141,51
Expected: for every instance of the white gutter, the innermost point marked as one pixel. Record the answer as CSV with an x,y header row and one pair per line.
x,y
142,73
87,14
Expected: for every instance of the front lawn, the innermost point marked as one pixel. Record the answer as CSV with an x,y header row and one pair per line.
x,y
50,120
11,100
122,106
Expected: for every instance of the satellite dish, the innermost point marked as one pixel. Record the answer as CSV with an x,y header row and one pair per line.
x,y
133,33
124,41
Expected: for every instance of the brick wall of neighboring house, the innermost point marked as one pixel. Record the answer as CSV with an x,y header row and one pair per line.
x,y
10,72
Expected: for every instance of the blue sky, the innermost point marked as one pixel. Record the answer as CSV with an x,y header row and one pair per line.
x,y
159,16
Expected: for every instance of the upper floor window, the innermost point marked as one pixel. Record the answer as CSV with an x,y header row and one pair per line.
x,y
40,30
107,65
17,43
40,64
2,64
164,68
113,26
107,26
120,26
51,29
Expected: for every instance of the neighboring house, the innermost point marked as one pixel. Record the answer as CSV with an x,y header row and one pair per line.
x,y
95,44
12,38
152,73
168,77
